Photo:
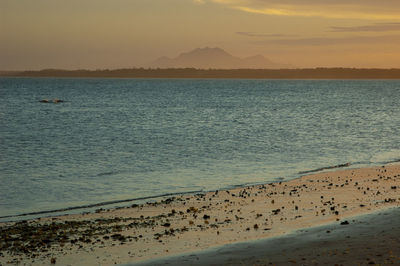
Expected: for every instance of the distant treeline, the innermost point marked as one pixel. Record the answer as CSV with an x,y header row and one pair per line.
x,y
308,73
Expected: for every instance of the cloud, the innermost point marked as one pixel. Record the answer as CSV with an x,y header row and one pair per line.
x,y
252,34
377,27
199,2
326,41
341,9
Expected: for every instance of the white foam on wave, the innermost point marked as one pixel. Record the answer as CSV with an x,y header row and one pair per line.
x,y
386,156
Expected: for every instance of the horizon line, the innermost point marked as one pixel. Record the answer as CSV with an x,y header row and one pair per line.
x,y
194,68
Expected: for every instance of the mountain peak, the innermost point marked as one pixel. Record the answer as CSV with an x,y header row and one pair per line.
x,y
206,51
214,57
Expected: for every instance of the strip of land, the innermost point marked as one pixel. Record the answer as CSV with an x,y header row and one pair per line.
x,y
189,223
307,73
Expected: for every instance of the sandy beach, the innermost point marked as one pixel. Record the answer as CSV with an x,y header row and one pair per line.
x,y
191,223
366,240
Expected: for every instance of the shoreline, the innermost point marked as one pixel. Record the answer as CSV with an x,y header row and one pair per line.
x,y
112,204
188,223
272,74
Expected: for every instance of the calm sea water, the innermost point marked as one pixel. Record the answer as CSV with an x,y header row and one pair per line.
x,y
115,139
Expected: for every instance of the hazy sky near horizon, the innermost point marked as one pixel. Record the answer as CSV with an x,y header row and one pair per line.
x,y
93,34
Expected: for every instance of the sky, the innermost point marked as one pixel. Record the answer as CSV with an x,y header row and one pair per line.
x,y
100,34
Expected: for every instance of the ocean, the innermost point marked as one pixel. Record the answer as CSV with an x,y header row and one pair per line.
x,y
117,140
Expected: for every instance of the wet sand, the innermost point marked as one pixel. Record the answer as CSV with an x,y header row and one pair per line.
x,y
190,223
368,239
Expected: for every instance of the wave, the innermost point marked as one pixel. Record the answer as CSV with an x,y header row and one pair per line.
x,y
391,156
106,173
325,168
99,204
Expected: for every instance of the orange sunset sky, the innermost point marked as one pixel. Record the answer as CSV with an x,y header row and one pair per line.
x,y
72,34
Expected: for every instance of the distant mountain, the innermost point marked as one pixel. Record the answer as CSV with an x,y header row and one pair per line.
x,y
216,58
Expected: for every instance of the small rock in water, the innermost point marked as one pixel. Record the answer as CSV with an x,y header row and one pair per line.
x,y
344,223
